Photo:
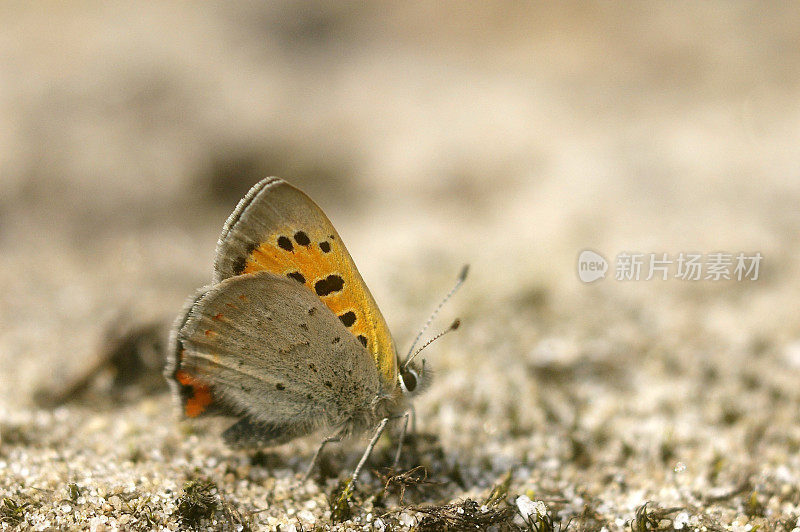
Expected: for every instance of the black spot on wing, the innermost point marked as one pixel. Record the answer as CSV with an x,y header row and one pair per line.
x,y
362,339
301,238
297,276
325,246
285,243
239,265
329,285
251,247
280,386
348,318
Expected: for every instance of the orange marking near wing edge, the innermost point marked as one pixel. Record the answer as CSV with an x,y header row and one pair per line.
x,y
201,394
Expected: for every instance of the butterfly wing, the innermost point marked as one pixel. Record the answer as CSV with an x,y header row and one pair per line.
x,y
264,348
277,228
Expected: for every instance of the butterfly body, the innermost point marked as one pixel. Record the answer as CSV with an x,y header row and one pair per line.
x,y
287,339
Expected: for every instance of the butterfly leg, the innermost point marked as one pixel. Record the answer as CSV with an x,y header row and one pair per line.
x,y
400,439
368,451
335,438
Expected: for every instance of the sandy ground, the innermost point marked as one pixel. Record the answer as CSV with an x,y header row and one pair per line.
x,y
508,138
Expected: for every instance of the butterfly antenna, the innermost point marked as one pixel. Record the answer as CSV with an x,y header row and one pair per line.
x,y
462,276
453,327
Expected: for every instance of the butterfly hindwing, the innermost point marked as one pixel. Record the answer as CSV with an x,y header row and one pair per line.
x,y
264,348
277,228
193,394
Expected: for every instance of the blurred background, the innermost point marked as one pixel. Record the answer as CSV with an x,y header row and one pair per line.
x,y
507,136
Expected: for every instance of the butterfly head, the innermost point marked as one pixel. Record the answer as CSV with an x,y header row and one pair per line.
x,y
414,378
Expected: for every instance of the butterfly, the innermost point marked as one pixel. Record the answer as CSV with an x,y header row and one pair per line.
x,y
287,338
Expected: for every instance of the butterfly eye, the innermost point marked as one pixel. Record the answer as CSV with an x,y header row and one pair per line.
x,y
410,380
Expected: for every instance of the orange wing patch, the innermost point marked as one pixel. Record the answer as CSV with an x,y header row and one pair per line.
x,y
321,263
200,398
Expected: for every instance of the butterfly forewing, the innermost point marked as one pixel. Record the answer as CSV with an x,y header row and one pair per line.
x,y
278,229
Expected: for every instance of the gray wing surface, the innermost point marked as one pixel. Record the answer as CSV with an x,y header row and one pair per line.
x,y
275,355
271,204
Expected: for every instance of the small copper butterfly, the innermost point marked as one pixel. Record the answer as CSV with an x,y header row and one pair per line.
x,y
287,338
